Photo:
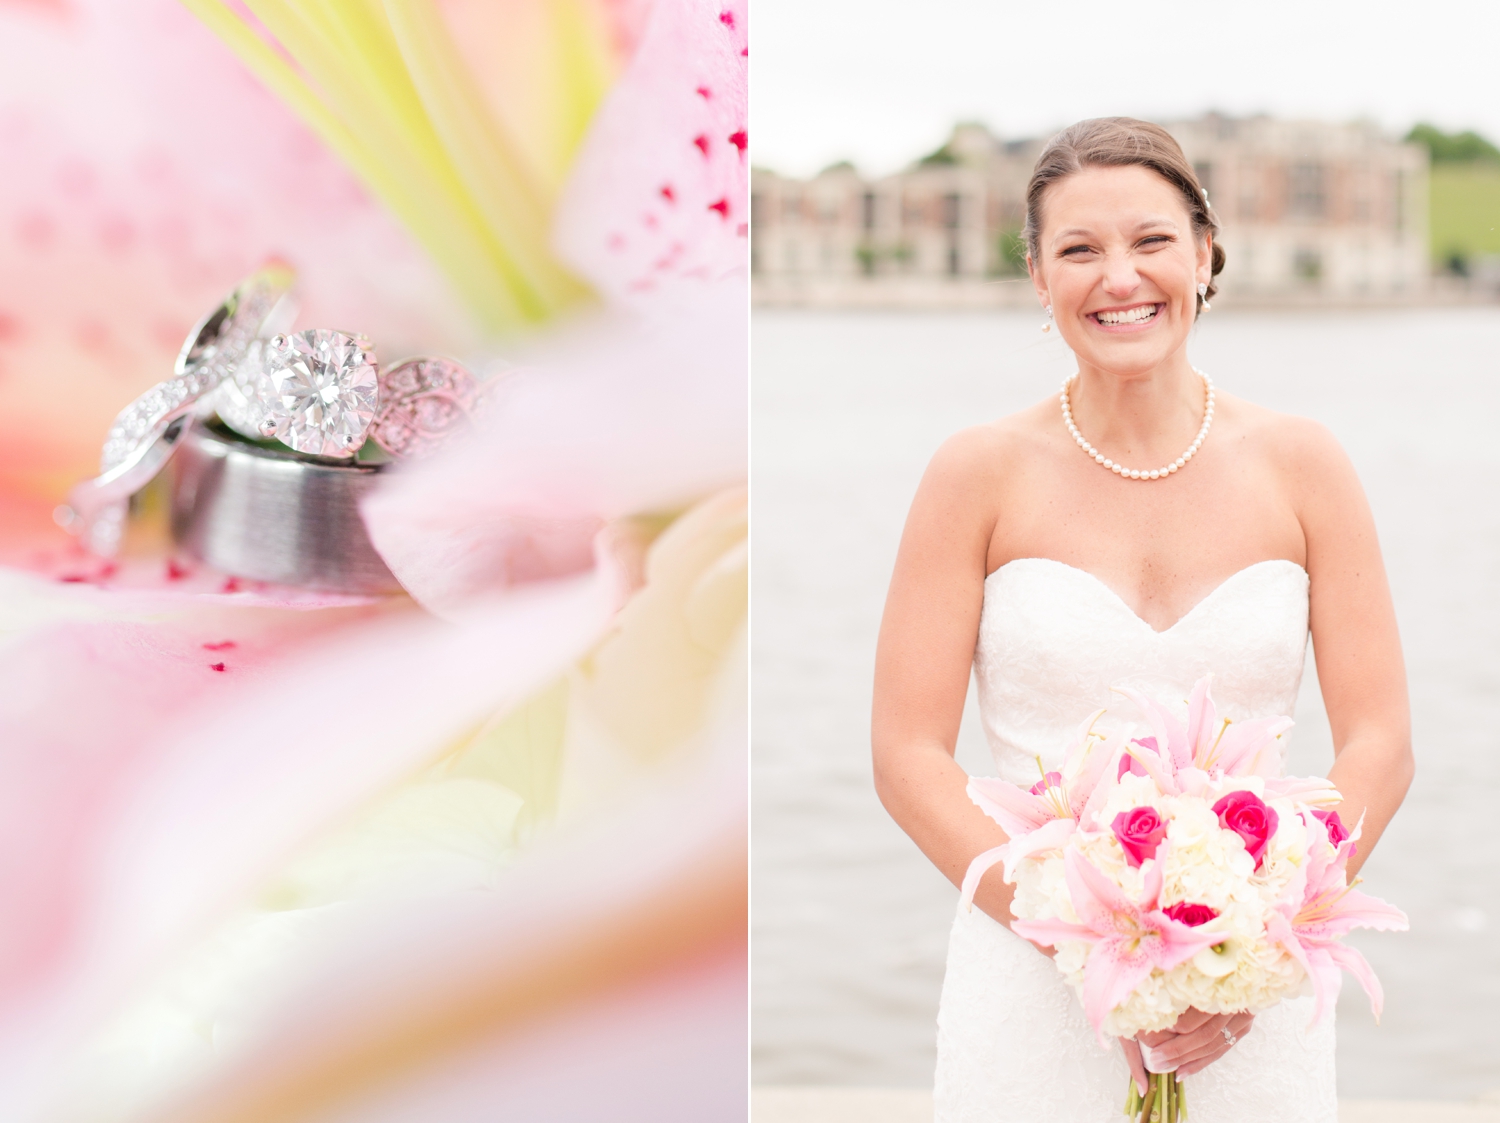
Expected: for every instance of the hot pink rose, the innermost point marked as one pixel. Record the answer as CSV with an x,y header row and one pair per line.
x,y
1338,834
1247,816
1191,914
1140,830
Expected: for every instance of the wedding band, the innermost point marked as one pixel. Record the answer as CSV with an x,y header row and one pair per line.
x,y
148,431
271,515
1229,1037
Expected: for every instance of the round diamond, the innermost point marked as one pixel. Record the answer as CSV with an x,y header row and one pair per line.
x,y
321,391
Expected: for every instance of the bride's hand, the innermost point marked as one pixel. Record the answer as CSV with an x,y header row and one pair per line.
x,y
1137,1064
1196,1041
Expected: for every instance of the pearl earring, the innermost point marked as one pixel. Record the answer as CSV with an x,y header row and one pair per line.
x,y
1048,325
1203,295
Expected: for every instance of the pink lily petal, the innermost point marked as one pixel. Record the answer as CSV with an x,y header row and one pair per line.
x,y
1249,748
1355,910
981,865
1202,722
658,194
1095,765
1356,964
1051,931
1156,768
247,802
1171,738
1049,836
1017,811
1089,819
1095,897
637,415
671,1047
1153,872
597,912
1110,975
1134,938
1304,789
1314,962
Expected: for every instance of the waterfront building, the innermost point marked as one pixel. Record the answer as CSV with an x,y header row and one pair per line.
x,y
1310,211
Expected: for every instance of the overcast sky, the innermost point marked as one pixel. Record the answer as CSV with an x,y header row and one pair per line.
x,y
879,82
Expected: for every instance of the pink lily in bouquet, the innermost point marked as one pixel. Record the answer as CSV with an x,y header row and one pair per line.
x,y
1321,908
1129,938
1207,744
1044,816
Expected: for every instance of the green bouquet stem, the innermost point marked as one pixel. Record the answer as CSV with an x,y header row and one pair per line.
x,y
1164,1101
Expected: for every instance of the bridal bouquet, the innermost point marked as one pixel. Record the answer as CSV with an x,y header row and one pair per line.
x,y
1178,871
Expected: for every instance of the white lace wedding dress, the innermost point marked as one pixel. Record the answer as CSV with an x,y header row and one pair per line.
x,y
1013,1044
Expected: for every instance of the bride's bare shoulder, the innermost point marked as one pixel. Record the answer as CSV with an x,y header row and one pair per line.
x,y
981,455
1302,450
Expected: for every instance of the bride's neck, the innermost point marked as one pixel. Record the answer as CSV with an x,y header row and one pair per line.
x,y
1147,412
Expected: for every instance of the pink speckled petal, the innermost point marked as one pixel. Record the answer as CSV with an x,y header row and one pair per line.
x,y
643,413
631,903
658,193
145,790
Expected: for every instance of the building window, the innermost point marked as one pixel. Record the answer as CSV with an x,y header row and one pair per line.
x,y
1307,265
1205,173
951,211
1400,203
954,260
1305,190
869,210
1248,181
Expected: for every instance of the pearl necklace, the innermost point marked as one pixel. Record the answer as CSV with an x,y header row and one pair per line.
x,y
1137,473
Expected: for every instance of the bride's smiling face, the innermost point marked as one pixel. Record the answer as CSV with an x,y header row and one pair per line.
x,y
1119,264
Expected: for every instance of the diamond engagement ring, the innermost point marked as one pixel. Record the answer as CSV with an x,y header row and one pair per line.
x,y
147,432
1229,1037
322,393
288,512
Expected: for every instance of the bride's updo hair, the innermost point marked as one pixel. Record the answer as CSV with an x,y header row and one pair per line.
x,y
1117,142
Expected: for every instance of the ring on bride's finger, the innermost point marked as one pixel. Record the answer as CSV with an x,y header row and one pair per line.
x,y
322,392
147,432
1229,1037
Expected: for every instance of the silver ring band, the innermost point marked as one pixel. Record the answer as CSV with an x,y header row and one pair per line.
x,y
271,515
1229,1037
146,433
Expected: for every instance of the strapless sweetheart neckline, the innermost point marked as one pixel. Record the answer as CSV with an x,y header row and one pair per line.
x,y
1100,583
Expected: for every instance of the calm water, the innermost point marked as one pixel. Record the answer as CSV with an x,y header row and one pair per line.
x,y
850,922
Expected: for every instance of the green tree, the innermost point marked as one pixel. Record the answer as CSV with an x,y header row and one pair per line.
x,y
1466,147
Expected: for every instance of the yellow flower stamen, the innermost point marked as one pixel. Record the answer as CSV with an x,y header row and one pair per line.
x,y
385,87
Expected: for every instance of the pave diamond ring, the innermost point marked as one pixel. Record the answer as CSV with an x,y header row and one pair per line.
x,y
322,393
147,432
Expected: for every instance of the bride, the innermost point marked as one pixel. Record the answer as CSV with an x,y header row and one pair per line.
x,y
1174,534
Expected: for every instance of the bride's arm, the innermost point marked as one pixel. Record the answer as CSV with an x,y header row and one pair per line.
x,y
922,663
1354,637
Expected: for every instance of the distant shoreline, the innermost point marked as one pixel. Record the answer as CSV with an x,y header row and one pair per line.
x,y
835,295
782,1104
